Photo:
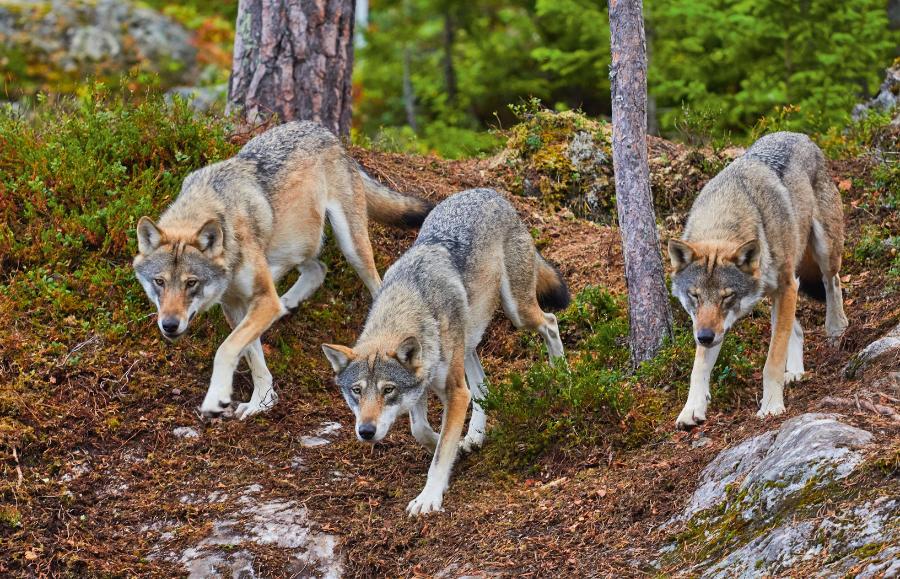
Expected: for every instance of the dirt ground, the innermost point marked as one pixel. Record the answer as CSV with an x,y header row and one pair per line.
x,y
115,492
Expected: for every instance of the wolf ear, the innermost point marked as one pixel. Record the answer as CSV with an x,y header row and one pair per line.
x,y
339,356
746,257
211,238
680,253
409,352
149,237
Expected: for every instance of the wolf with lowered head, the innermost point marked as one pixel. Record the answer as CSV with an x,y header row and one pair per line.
x,y
767,225
239,225
472,254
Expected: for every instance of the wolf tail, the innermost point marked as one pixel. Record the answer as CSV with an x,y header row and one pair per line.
x,y
552,291
391,208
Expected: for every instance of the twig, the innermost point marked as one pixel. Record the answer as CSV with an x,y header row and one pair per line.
x,y
18,468
862,404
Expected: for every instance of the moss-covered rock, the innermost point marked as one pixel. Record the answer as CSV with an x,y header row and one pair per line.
x,y
563,158
54,45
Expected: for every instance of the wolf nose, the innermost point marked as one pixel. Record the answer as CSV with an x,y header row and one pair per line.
x,y
706,336
366,431
170,325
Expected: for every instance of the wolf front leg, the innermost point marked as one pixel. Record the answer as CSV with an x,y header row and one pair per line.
x,y
264,309
784,310
457,403
694,411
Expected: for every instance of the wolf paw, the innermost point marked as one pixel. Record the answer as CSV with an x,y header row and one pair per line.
x,y
215,408
793,377
256,405
471,442
690,417
773,409
426,502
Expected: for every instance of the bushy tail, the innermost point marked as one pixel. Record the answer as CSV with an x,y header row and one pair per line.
x,y
552,291
391,208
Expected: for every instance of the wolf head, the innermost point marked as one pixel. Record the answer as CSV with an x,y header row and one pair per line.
x,y
717,283
378,387
182,273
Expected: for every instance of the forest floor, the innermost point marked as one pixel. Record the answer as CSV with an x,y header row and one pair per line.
x,y
116,491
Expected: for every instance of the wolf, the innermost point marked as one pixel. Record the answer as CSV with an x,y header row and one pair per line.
x,y
472,253
770,224
239,225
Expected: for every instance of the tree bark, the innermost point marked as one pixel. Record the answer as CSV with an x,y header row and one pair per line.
x,y
294,59
650,317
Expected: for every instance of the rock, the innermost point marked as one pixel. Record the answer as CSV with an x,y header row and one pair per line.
x,y
888,344
201,98
321,436
757,510
63,41
888,96
185,432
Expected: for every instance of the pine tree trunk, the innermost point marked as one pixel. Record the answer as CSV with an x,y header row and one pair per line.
x,y
648,299
294,59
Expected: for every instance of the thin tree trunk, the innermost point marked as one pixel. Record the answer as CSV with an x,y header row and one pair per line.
x,y
449,70
409,96
294,59
650,316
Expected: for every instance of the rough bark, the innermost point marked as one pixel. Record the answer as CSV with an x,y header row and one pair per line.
x,y
650,316
294,59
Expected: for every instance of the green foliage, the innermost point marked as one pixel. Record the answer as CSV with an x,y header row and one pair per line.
x,y
74,179
599,400
729,61
748,59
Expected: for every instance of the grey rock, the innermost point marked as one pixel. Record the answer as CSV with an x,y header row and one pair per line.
x,y
102,37
886,100
185,432
201,98
770,486
888,344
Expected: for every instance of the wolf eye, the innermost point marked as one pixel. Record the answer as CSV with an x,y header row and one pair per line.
x,y
728,297
388,390
694,295
356,390
159,281
191,283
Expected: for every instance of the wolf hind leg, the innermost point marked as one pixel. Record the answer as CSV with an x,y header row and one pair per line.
x,y
312,274
826,251
352,234
518,294
478,422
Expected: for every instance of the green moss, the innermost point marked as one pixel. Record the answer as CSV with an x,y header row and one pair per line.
x,y
10,517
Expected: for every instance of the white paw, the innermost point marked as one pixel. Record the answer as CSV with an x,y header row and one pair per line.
x,y
793,377
771,409
471,442
247,409
213,407
427,502
691,416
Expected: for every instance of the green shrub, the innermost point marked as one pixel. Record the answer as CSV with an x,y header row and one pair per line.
x,y
74,179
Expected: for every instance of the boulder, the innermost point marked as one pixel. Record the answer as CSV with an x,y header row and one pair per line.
x,y
758,509
55,44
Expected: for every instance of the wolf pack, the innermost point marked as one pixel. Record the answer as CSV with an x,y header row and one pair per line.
x,y
769,225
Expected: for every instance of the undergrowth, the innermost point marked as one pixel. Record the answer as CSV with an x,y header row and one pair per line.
x,y
598,400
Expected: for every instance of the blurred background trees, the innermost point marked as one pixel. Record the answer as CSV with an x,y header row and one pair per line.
x,y
434,75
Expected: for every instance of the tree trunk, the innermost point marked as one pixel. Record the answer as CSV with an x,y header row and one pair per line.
x,y
409,95
294,59
650,316
449,69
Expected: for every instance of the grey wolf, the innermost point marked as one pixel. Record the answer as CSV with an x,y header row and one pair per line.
x,y
239,225
472,253
769,224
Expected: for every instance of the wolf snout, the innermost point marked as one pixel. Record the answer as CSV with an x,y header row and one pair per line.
x,y
366,431
705,337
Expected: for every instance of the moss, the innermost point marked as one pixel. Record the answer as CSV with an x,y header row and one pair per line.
x,y
539,161
10,517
